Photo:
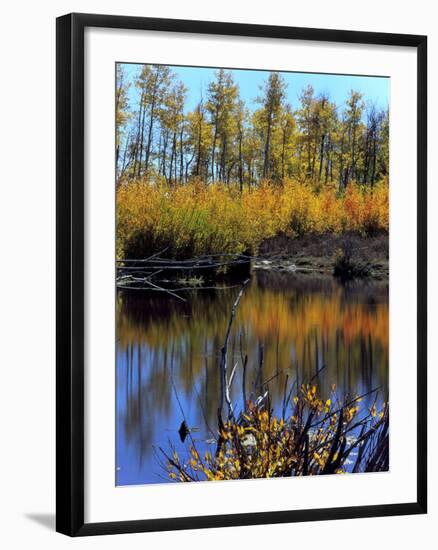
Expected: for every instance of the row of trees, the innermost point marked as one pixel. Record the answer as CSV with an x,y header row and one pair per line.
x,y
221,139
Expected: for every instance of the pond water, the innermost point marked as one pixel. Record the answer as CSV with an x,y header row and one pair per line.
x,y
168,354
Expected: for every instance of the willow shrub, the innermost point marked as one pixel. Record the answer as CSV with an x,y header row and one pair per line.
x,y
195,219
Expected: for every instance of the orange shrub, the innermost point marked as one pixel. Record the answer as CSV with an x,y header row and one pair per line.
x,y
195,218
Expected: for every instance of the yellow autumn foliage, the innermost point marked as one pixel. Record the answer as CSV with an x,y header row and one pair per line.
x,y
195,219
319,438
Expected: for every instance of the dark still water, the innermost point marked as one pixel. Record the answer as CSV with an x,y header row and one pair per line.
x,y
168,354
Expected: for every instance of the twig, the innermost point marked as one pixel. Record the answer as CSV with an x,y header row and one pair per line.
x,y
165,290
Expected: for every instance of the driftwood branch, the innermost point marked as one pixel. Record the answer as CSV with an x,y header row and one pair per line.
x,y
155,258
225,386
138,274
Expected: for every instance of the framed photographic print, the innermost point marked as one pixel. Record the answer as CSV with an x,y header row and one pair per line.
x,y
241,274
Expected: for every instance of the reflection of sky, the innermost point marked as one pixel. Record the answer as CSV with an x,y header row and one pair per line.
x,y
374,89
156,348
136,455
153,426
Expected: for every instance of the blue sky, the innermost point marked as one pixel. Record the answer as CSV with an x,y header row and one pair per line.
x,y
196,79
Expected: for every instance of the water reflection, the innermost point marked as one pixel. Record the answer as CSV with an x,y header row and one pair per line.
x,y
168,354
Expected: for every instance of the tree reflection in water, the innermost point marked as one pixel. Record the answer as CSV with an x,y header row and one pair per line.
x,y
169,350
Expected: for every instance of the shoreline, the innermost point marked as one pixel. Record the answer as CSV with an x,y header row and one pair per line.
x,y
344,257
317,253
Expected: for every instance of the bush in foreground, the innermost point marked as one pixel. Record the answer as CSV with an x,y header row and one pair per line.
x,y
319,437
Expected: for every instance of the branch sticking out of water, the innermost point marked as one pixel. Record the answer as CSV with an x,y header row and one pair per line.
x,y
225,384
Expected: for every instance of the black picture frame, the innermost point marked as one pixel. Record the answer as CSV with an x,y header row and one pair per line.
x,y
70,273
